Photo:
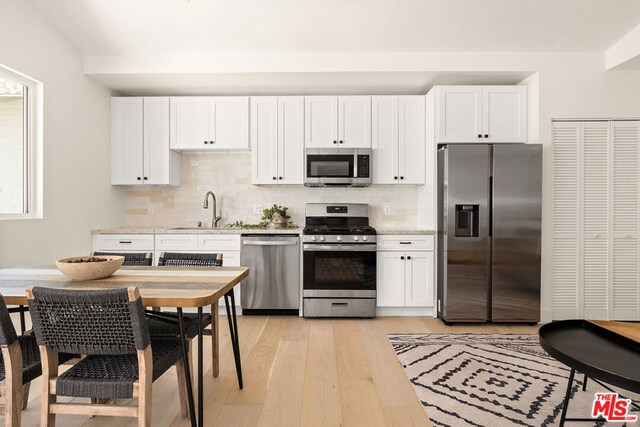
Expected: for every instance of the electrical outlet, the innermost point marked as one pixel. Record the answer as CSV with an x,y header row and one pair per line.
x,y
387,209
150,210
257,209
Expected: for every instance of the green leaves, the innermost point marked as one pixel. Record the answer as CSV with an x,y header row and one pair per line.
x,y
267,215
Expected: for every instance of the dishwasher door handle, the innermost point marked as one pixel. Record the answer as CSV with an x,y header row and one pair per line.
x,y
269,243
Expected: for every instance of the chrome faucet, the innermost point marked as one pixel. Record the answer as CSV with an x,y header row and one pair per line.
x,y
215,219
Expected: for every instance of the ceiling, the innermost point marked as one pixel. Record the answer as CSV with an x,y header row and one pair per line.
x,y
130,27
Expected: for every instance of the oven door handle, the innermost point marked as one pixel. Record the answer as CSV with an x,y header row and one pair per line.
x,y
339,248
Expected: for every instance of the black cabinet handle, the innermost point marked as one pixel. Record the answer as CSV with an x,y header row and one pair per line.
x,y
125,241
280,178
212,142
402,177
479,136
486,135
335,142
395,177
341,142
408,257
206,142
139,178
146,178
405,243
274,178
402,257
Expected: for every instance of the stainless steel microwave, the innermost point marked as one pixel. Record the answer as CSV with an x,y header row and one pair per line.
x,y
325,167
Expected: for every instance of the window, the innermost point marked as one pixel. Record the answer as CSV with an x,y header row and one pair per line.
x,y
20,146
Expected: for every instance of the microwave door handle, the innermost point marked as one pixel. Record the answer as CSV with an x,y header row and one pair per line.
x,y
355,165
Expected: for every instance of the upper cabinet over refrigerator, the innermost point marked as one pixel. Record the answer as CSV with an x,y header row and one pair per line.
x,y
487,114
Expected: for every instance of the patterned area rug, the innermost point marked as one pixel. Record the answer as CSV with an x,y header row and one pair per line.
x,y
490,380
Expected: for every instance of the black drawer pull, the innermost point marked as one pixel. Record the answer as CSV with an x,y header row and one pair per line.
x,y
479,136
405,243
335,142
408,257
125,241
401,257
486,135
339,304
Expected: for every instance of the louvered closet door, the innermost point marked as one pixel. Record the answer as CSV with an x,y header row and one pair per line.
x,y
595,221
566,204
624,292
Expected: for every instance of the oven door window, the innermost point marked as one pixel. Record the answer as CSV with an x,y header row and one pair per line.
x,y
339,270
330,166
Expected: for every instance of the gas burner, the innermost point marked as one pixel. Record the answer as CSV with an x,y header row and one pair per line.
x,y
316,229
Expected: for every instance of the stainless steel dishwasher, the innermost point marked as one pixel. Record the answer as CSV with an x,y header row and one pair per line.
x,y
273,285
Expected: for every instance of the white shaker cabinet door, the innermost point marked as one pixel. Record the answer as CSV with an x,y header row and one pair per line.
x,y
321,121
264,140
126,141
290,140
161,165
190,123
229,122
419,279
504,114
384,139
411,137
354,121
391,279
459,114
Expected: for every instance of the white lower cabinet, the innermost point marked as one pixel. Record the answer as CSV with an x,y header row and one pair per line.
x,y
227,244
406,278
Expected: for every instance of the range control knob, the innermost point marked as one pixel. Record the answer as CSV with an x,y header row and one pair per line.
x,y
339,238
313,238
364,238
355,238
322,238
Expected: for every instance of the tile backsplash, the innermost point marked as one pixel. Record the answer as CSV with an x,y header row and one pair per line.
x,y
228,175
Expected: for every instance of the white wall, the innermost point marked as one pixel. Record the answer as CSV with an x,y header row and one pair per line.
x,y
78,196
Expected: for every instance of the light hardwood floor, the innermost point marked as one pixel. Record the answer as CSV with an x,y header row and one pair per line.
x,y
298,372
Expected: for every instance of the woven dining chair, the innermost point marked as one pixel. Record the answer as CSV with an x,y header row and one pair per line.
x,y
140,259
165,323
20,364
110,328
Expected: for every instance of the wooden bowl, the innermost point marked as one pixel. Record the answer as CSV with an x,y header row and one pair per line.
x,y
90,270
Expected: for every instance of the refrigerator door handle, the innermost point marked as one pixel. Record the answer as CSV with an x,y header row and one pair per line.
x,y
490,206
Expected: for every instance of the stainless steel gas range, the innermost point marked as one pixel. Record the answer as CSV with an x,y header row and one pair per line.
x,y
339,253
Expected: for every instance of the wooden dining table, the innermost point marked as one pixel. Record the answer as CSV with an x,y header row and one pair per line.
x,y
175,287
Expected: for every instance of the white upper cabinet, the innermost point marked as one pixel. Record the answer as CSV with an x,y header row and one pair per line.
x,y
140,151
190,122
290,140
411,140
398,139
277,137
459,113
504,113
209,122
384,139
321,121
481,114
229,122
126,141
332,121
354,121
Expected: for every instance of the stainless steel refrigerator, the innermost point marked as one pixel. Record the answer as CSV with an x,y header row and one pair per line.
x,y
489,215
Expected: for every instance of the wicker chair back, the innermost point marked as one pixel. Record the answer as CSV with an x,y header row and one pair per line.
x,y
8,333
192,260
130,259
92,322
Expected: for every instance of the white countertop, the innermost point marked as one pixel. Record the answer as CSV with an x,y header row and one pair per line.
x,y
222,230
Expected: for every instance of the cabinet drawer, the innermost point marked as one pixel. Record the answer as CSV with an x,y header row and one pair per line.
x,y
123,242
176,242
405,242
218,242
